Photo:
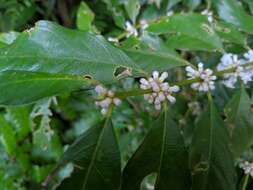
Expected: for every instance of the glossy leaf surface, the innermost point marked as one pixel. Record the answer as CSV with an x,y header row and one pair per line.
x,y
211,159
162,151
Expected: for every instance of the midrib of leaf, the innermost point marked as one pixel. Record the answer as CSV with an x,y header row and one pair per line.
x,y
44,79
162,148
94,154
210,144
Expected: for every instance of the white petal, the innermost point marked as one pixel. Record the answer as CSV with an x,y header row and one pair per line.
x,y
144,81
155,74
161,96
174,88
116,101
163,76
158,106
110,93
104,111
100,90
171,98
200,67
164,86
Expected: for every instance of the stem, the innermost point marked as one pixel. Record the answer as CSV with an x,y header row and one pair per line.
x,y
245,182
139,92
209,95
134,92
109,112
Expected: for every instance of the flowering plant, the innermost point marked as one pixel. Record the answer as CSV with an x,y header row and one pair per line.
x,y
142,95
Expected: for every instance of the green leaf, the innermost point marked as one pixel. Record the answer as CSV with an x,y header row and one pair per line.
x,y
19,117
230,33
173,3
132,8
155,60
232,12
97,159
85,17
34,86
211,160
240,121
163,152
190,31
250,4
50,48
192,4
7,136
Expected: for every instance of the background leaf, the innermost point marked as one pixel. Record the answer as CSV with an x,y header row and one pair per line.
x,y
190,31
97,159
132,8
232,12
240,121
162,151
85,17
211,160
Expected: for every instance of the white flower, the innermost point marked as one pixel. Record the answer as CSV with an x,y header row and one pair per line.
x,y
206,77
229,61
144,24
209,15
160,90
111,39
131,30
106,99
247,167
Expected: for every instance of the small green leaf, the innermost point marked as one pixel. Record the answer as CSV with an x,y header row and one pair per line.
x,y
232,12
19,117
33,86
210,157
132,8
173,3
189,31
250,4
163,152
7,136
192,4
85,17
240,121
97,159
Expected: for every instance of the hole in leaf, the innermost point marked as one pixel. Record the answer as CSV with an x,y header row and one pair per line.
x,y
122,71
88,77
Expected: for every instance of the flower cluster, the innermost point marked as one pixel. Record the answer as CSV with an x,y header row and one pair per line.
x,y
247,167
205,76
160,90
231,61
106,99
